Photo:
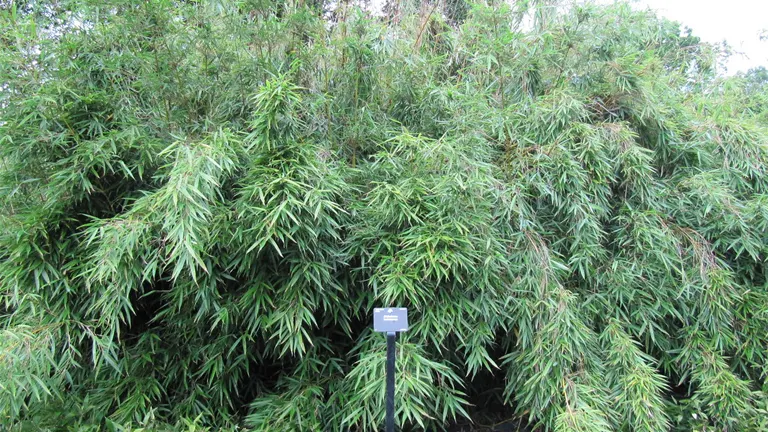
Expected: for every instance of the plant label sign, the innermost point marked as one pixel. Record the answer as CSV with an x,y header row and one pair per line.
x,y
390,319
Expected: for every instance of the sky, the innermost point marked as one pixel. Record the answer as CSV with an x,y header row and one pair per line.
x,y
737,21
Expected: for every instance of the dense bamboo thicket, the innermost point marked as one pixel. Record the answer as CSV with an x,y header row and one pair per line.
x,y
203,201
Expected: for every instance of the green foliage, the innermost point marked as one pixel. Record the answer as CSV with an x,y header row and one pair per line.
x,y
202,202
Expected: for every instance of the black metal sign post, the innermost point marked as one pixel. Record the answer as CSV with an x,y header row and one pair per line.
x,y
390,402
390,321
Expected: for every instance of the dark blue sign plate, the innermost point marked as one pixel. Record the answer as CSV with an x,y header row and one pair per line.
x,y
390,319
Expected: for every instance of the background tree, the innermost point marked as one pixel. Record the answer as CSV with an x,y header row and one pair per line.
x,y
203,201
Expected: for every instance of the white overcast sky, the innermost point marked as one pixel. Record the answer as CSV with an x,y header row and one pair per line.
x,y
737,21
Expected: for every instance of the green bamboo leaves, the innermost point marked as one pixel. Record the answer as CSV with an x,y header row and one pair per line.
x,y
198,219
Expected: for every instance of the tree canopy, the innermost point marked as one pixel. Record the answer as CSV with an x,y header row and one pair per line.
x,y
203,201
